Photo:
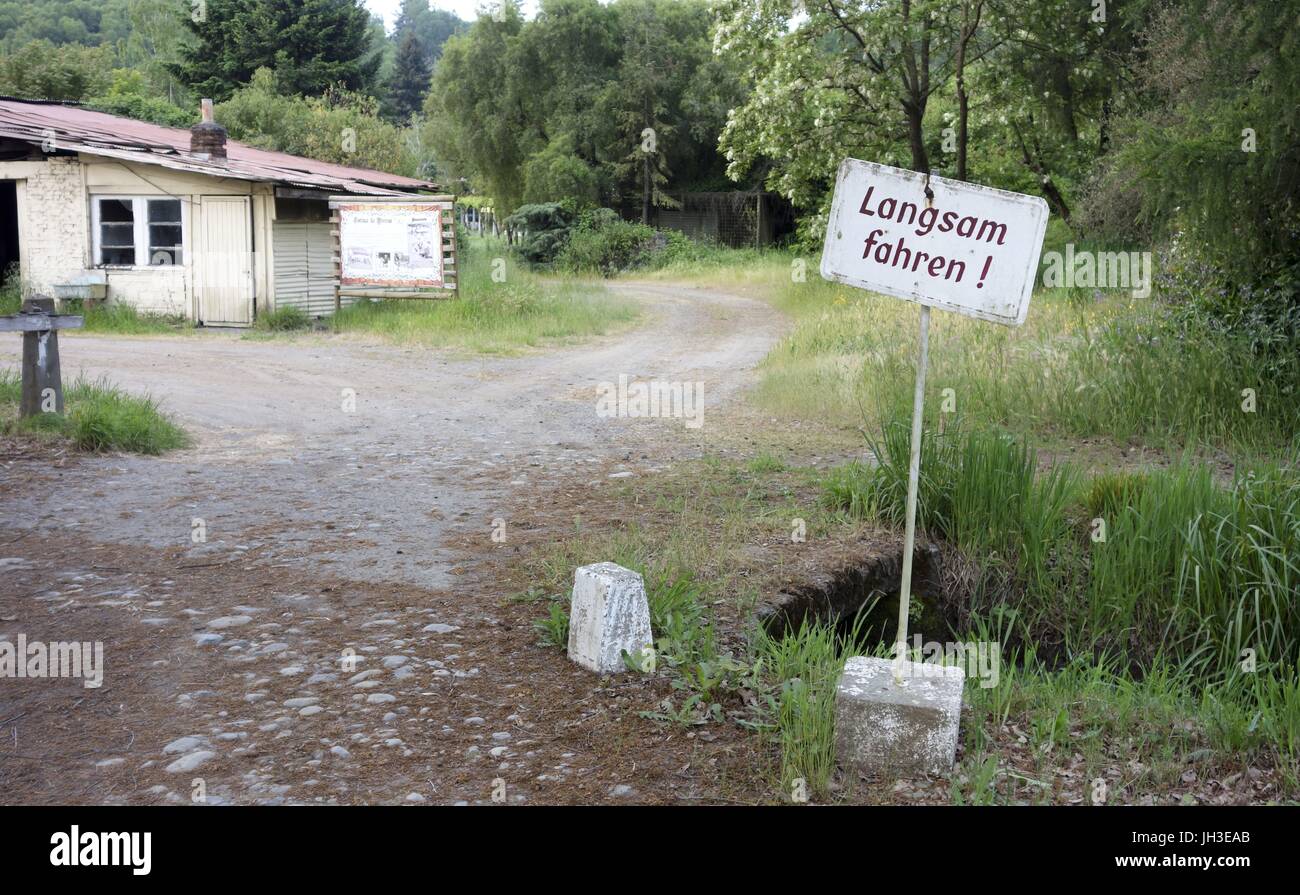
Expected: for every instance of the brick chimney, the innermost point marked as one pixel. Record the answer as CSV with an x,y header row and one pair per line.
x,y
207,138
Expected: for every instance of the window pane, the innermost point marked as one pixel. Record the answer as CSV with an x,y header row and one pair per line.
x,y
116,210
117,235
164,244
166,235
165,211
164,232
116,231
164,257
118,256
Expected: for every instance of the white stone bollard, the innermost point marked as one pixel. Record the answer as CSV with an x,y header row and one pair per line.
x,y
609,613
884,726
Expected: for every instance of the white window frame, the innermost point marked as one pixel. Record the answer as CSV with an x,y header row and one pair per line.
x,y
140,214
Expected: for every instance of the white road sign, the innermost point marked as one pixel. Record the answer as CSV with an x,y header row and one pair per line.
x,y
964,248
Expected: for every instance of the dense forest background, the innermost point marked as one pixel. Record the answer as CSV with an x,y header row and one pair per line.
x,y
291,75
1143,123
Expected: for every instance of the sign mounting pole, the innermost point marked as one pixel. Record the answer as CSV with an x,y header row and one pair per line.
x,y
942,244
913,484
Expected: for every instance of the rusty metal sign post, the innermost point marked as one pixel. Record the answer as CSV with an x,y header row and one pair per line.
x,y
940,243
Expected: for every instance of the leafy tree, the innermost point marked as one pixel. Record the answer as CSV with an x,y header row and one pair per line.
x,y
480,126
88,22
1212,140
382,56
845,77
1013,92
544,229
558,171
339,126
312,45
154,40
129,95
639,100
1047,91
41,70
601,104
845,73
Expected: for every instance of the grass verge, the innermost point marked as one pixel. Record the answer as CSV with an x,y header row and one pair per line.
x,y
1165,588
98,417
1087,363
1146,618
1086,705
1084,365
502,308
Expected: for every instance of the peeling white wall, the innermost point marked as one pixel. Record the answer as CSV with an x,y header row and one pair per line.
x,y
55,219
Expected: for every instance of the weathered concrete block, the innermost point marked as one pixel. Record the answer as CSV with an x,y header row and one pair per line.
x,y
908,728
609,613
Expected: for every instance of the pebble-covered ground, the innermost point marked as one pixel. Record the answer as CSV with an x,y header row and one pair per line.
x,y
244,682
284,615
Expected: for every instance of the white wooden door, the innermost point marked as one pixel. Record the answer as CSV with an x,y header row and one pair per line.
x,y
223,262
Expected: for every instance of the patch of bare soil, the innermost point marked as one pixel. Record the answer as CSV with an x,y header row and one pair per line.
x,y
22,446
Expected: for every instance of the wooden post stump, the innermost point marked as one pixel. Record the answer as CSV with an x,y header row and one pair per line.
x,y
42,390
42,377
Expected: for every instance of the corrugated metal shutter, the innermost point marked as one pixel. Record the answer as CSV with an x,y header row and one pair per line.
x,y
304,272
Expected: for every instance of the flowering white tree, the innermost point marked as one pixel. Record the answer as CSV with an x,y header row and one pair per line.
x,y
906,81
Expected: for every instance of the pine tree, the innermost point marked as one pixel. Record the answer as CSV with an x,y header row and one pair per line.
x,y
311,44
410,80
643,86
431,27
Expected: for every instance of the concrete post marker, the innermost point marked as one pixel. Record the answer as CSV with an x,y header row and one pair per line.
x,y
609,613
906,728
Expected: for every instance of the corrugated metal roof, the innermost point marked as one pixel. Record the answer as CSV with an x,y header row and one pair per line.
x,y
78,129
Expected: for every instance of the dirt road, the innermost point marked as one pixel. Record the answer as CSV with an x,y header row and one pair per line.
x,y
327,641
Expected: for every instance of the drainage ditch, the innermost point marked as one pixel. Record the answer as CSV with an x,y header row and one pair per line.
x,y
865,594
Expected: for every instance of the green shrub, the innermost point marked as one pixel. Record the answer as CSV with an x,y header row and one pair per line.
x,y
553,628
598,241
679,618
604,243
270,114
142,108
544,229
1261,317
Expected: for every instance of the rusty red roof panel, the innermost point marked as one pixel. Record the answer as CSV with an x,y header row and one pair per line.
x,y
74,128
